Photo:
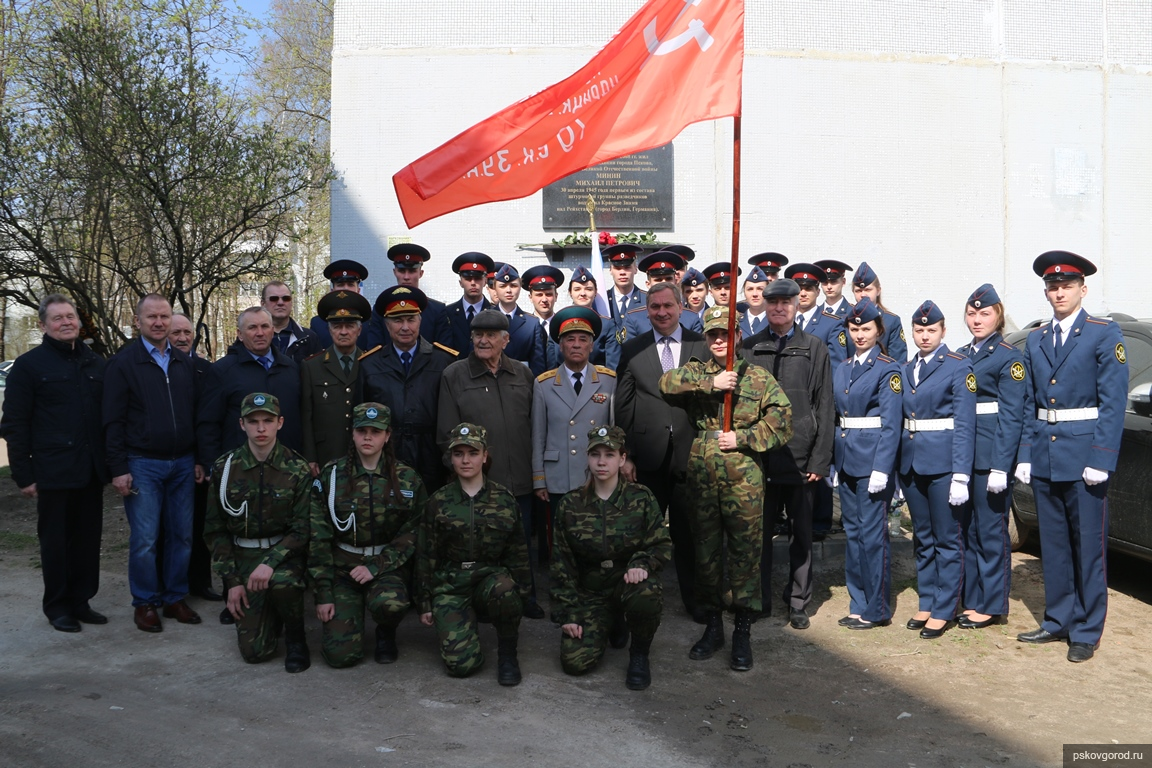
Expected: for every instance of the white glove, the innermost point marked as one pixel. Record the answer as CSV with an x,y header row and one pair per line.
x,y
1024,473
833,479
1094,476
877,482
997,481
958,490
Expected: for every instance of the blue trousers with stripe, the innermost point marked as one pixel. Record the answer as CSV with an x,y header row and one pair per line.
x,y
939,529
867,565
988,549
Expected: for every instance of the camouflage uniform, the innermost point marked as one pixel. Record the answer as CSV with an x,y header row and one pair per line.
x,y
473,562
727,486
596,542
272,530
381,528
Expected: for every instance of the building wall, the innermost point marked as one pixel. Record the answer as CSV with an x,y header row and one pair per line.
x,y
947,143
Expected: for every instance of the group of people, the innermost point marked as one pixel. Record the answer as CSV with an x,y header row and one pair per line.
x,y
411,452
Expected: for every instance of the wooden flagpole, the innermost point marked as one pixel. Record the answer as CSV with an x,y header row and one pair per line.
x,y
731,359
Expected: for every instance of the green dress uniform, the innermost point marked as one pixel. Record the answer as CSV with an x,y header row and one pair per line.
x,y
258,515
360,517
596,542
473,562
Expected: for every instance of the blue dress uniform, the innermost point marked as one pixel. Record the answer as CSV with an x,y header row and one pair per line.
x,y
525,334
1000,384
894,342
868,409
936,450
454,327
1074,421
544,276
341,270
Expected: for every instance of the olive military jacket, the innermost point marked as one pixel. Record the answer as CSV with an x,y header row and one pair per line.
x,y
355,508
327,396
461,534
761,412
250,499
597,540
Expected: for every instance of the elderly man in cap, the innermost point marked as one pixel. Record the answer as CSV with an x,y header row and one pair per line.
x,y
408,268
493,390
542,282
329,380
1074,407
258,508
526,341
454,328
344,275
405,376
577,394
793,472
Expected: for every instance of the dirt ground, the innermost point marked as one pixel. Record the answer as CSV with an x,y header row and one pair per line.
x,y
113,695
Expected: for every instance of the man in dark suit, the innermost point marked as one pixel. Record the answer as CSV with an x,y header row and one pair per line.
x,y
525,336
454,328
408,268
659,435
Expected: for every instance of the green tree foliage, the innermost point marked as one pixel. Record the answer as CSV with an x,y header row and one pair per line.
x,y
126,167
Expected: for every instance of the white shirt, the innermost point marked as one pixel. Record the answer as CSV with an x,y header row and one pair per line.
x,y
862,357
674,344
806,317
832,308
1065,328
477,306
584,372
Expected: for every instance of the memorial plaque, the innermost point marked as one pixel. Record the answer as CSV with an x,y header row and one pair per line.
x,y
635,193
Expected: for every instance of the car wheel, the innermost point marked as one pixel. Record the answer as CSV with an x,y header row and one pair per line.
x,y
1017,531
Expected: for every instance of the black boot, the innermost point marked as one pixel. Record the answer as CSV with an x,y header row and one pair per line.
x,y
742,642
618,636
297,659
507,667
639,676
713,639
386,651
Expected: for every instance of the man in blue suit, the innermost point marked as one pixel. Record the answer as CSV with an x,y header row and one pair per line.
x,y
623,297
525,335
542,282
1074,421
839,344
407,267
454,328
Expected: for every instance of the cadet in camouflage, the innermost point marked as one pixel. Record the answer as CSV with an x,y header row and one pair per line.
x,y
257,530
610,544
473,561
726,480
366,509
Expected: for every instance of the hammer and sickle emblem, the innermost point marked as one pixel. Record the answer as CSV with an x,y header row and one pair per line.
x,y
695,32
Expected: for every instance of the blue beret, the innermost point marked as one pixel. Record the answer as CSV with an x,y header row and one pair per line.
x,y
864,275
984,296
582,275
756,275
506,274
927,314
693,277
864,311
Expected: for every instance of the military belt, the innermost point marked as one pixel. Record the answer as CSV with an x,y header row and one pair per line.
x,y
361,550
985,408
860,422
929,425
1067,414
243,543
708,434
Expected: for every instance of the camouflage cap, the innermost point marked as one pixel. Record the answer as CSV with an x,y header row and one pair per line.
x,y
468,434
716,319
611,437
371,415
260,401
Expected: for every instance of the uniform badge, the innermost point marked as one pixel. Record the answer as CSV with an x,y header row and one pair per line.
x,y
259,400
1017,371
603,431
843,339
970,382
599,397
318,486
894,383
463,430
406,494
324,394
1120,356
621,336
902,335
371,413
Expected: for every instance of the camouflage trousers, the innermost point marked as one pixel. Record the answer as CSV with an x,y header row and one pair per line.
x,y
641,604
727,488
270,610
386,597
488,593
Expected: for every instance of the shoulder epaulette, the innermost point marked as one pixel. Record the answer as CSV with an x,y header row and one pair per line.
x,y
449,350
885,359
1098,321
606,371
832,315
955,356
547,375
315,354
1006,345
372,351
640,308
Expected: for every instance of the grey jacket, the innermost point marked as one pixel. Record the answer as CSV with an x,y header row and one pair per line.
x,y
560,423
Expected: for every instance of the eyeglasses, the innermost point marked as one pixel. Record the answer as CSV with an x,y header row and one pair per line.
x,y
275,299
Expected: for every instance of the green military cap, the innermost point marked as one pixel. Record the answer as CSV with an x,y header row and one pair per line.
x,y
343,305
371,415
716,318
468,434
612,437
260,401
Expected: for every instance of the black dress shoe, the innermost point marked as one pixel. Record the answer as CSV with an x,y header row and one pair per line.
x,y
846,621
798,619
862,624
226,617
533,611
931,634
965,622
89,616
1038,636
1078,652
65,624
209,594
819,536
915,624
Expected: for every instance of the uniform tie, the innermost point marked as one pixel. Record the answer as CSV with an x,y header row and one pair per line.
x,y
346,361
1059,337
917,372
471,314
666,361
576,385
623,305
406,361
857,369
265,360
757,324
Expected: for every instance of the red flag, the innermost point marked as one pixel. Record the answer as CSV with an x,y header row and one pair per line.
x,y
674,63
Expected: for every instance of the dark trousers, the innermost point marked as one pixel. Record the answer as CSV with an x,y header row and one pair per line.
x,y
671,491
525,503
200,561
939,528
1073,523
798,500
69,525
822,510
867,565
988,549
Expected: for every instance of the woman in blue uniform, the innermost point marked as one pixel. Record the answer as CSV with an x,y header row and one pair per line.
x,y
868,388
1000,382
936,453
867,283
